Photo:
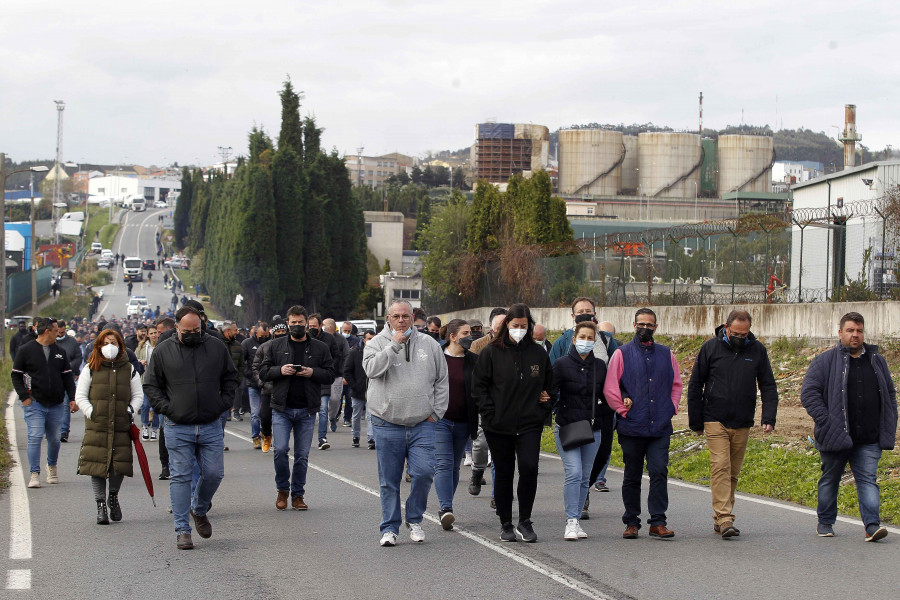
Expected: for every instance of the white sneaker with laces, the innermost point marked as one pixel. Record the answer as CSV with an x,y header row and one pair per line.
x,y
467,461
389,539
52,474
571,530
35,481
581,534
416,533
145,433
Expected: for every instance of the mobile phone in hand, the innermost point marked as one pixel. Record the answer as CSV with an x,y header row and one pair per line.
x,y
298,367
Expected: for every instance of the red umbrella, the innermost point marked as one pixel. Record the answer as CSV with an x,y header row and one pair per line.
x,y
142,459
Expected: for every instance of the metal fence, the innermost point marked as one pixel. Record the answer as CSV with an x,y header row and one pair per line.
x,y
808,255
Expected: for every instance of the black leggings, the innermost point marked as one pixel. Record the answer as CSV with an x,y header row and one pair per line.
x,y
505,449
607,418
99,485
265,414
163,451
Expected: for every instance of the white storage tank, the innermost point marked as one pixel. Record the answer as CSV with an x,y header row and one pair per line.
x,y
630,165
745,163
590,162
669,164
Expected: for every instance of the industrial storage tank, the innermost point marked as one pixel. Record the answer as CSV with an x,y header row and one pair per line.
x,y
630,165
590,162
745,163
540,143
669,164
709,171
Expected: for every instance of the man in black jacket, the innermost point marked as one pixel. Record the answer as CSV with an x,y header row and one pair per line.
x,y
248,349
22,336
357,382
722,404
191,381
50,379
297,365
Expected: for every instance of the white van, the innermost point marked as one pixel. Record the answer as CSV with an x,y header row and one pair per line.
x,y
72,216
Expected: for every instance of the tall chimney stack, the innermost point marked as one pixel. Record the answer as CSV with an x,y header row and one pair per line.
x,y
850,137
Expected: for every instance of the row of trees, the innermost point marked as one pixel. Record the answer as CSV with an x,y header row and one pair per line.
x,y
285,229
430,177
496,237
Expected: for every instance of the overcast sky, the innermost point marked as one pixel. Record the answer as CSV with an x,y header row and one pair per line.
x,y
160,81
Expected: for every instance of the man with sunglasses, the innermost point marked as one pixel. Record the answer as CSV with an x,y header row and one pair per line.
x,y
722,405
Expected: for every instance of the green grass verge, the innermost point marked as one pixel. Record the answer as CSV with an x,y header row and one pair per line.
x,y
99,228
5,389
775,468
67,306
188,279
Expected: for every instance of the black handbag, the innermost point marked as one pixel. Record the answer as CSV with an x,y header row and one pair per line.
x,y
580,433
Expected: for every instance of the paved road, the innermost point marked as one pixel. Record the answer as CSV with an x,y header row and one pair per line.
x,y
332,551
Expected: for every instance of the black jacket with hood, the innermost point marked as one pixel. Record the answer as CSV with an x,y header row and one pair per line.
x,y
191,385
724,381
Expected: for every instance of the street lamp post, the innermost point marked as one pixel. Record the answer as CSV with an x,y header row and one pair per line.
x,y
3,176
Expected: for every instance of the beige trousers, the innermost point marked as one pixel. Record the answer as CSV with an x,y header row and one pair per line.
x,y
726,455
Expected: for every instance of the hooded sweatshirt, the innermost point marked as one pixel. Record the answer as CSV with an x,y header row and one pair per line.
x,y
407,382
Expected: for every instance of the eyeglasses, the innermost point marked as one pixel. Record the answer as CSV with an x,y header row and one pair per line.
x,y
402,317
647,325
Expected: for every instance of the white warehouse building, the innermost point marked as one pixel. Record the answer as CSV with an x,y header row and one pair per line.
x,y
119,187
831,254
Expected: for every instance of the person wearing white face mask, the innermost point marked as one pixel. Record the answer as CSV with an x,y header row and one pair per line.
x,y
109,392
512,385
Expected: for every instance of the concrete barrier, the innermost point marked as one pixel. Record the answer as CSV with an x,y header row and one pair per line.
x,y
814,320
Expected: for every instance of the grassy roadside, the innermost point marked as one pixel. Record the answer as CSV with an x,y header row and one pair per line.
x,y
99,228
67,306
5,389
188,279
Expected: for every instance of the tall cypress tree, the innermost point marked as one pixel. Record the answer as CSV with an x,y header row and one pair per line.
x,y
291,135
182,217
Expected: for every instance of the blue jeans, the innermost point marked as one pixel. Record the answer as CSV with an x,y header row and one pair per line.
x,y
449,447
145,415
577,464
323,418
656,451
255,403
359,407
67,417
189,445
43,420
395,445
863,460
301,423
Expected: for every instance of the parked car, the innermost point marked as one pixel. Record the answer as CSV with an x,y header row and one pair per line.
x,y
104,262
137,305
160,204
96,247
178,262
706,281
106,253
149,265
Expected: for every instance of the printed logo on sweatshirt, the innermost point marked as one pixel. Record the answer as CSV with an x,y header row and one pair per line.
x,y
421,355
535,370
58,356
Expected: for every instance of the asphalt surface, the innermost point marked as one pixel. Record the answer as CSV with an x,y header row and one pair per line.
x,y
332,551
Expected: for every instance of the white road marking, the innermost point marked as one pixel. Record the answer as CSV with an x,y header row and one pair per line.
x,y
523,560
19,511
746,498
18,579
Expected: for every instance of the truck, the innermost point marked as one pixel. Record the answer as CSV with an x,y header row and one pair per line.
x,y
139,204
134,269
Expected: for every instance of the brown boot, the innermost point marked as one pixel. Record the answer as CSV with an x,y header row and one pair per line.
x,y
257,444
661,531
281,502
297,503
631,532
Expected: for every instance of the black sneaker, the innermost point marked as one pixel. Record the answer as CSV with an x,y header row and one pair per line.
x,y
507,533
355,443
371,444
824,530
601,486
493,503
64,437
447,519
323,444
333,425
875,533
164,475
525,532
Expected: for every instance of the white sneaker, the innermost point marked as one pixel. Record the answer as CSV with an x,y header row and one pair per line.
x,y
35,481
416,533
145,433
153,435
581,534
571,530
467,461
389,539
52,474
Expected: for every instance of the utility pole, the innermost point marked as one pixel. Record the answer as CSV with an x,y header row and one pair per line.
x,y
359,165
225,153
60,107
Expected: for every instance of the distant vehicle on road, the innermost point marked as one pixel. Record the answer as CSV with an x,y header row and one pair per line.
x,y
96,247
149,265
178,262
105,262
137,305
73,216
706,281
13,322
139,205
364,325
160,204
134,269
106,253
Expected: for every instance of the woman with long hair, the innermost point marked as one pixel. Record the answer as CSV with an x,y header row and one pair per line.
x,y
460,422
580,376
512,384
109,392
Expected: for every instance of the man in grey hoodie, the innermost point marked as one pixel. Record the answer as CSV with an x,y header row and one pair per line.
x,y
408,393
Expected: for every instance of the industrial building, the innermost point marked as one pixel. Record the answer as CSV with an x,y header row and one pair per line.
x,y
373,171
502,150
117,187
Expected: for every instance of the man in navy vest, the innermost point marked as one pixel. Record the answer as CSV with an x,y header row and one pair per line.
x,y
643,385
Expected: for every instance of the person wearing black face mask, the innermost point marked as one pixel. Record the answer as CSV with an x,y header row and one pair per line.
x,y
314,329
297,365
460,423
722,405
191,381
643,385
248,352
